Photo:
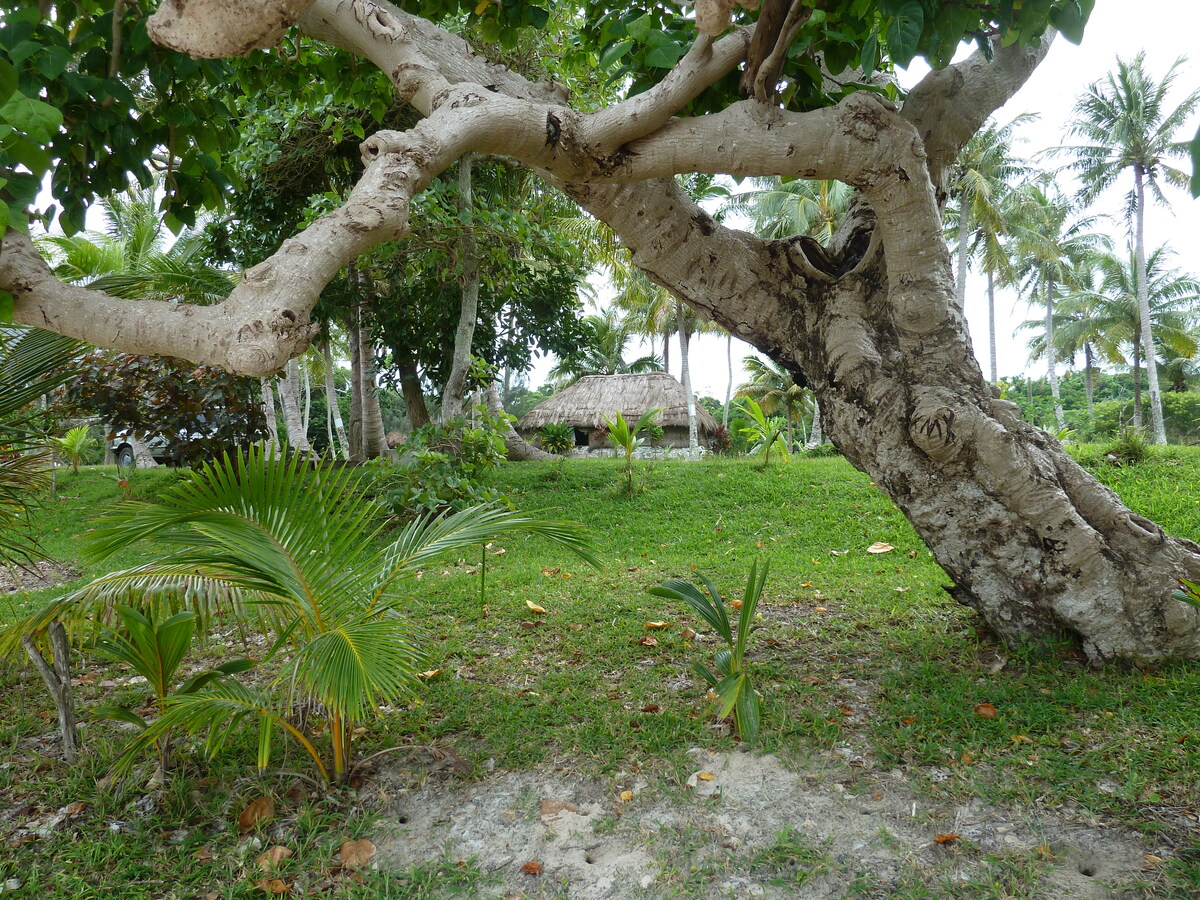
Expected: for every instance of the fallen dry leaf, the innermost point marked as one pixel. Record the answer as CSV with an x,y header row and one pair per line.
x,y
986,711
575,626
531,624
203,855
541,611
657,625
74,809
259,810
736,604
533,867
269,860
272,886
705,776
551,809
812,679
650,708
648,641
908,720
820,609
687,634
880,547
626,796
549,572
1044,851
353,854
945,838
432,673
1021,739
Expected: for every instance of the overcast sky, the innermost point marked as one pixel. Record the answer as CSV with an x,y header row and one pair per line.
x,y
1165,29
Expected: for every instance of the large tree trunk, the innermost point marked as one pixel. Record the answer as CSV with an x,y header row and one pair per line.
x,y
1137,379
357,452
468,251
268,408
729,383
1158,429
1089,364
517,448
1028,538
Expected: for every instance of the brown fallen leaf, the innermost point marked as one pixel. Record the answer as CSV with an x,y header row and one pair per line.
x,y
575,626
687,634
537,609
549,572
908,720
432,673
626,796
530,624
272,886
812,679
880,547
949,838
1021,739
533,867
74,809
270,859
648,640
1044,851
656,625
260,810
705,776
986,711
736,604
203,855
650,708
355,854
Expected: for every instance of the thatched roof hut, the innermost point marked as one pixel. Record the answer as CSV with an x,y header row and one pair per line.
x,y
584,405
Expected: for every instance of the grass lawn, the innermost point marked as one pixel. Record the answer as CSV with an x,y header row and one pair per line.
x,y
857,654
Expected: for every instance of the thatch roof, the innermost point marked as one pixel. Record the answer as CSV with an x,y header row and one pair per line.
x,y
587,401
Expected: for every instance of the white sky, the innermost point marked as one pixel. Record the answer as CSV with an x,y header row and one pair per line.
x,y
1165,29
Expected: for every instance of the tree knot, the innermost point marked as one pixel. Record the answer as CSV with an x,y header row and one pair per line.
x,y
932,430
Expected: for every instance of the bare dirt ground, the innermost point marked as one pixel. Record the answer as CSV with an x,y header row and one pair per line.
x,y
33,577
748,826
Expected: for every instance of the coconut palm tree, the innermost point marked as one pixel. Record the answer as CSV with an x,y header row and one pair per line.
x,y
1049,242
776,391
1126,123
299,552
1108,316
603,353
981,193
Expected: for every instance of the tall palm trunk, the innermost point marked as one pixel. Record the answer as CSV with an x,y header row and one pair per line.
x,y
1137,378
374,439
1051,369
686,378
289,399
1089,363
991,281
268,408
357,452
1157,426
816,437
460,363
961,272
729,383
333,410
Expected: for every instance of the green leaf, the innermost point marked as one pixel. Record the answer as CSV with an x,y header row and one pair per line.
x,y
747,713
7,303
663,52
729,689
8,81
118,714
613,53
37,119
640,28
1070,17
904,33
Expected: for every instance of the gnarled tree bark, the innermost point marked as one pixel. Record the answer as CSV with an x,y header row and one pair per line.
x,y
871,321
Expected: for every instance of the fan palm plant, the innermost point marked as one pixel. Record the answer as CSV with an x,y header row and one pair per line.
x,y
295,551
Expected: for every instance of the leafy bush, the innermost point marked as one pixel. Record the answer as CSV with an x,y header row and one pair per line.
x,y
1130,448
556,437
625,438
722,440
74,446
442,467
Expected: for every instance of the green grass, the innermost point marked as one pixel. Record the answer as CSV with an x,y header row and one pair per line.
x,y
852,649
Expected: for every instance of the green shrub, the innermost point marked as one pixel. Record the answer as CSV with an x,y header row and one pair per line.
x,y
557,437
443,466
